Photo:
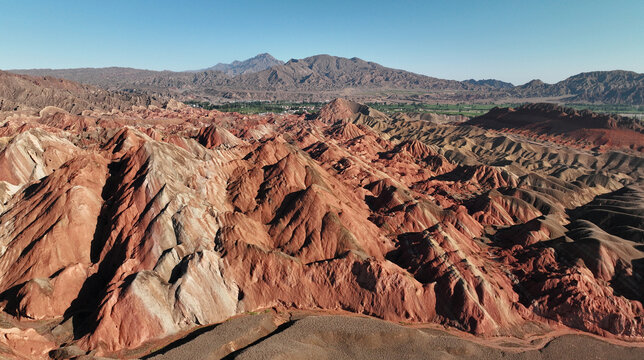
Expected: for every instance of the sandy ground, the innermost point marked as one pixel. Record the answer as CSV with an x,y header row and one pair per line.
x,y
306,335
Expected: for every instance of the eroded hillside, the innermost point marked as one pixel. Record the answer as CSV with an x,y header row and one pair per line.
x,y
123,228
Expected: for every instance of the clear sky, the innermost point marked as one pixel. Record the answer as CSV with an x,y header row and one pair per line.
x,y
508,40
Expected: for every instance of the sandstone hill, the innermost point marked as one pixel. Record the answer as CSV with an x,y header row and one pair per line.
x,y
20,92
566,124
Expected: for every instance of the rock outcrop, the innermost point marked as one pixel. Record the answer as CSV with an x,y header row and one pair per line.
x,y
123,229
566,125
21,92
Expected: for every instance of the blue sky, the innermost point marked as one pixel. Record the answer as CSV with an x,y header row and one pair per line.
x,y
509,40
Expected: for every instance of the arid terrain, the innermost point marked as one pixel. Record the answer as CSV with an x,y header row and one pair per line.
x,y
324,77
19,93
136,226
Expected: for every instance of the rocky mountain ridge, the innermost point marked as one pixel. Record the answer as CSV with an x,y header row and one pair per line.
x,y
609,87
255,64
322,77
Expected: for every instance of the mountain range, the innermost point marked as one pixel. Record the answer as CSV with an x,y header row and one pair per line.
x,y
323,77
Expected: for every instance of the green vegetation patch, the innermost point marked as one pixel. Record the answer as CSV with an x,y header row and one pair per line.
x,y
259,107
464,109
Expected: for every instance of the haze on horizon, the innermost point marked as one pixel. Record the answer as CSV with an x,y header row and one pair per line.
x,y
508,40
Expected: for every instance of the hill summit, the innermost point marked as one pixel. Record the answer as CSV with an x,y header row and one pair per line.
x,y
255,64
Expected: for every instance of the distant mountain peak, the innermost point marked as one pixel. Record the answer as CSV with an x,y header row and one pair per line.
x,y
493,83
255,64
535,82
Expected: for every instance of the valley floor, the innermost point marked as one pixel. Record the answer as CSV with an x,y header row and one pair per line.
x,y
320,335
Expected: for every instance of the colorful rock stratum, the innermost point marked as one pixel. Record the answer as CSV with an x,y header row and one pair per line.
x,y
122,228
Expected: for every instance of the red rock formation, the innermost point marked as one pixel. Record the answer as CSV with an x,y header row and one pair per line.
x,y
566,125
139,225
213,136
339,109
46,237
26,344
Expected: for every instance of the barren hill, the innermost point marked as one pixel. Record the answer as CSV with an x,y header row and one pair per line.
x,y
255,64
610,87
584,127
20,92
124,231
493,83
318,73
323,77
325,72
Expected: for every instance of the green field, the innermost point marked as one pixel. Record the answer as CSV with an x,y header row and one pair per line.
x,y
259,107
469,110
613,109
472,110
